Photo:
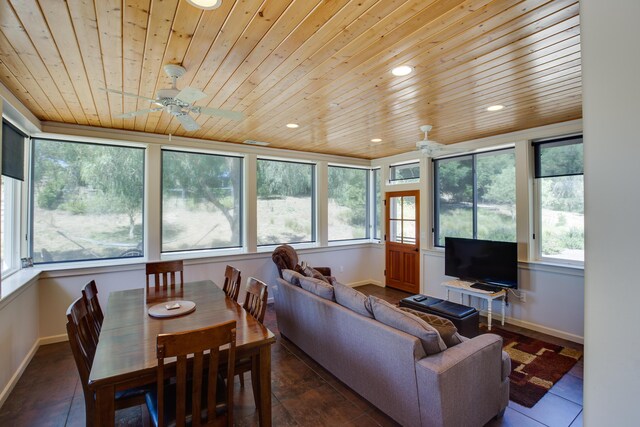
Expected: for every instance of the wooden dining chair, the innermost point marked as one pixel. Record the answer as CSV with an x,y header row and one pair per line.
x,y
255,303
194,400
90,296
164,284
83,348
232,281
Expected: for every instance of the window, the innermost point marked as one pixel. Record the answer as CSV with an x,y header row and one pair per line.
x,y
201,201
348,203
404,174
286,202
560,194
475,197
377,204
87,201
9,224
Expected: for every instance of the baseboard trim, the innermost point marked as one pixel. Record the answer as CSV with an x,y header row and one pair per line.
x,y
535,327
53,339
365,282
18,373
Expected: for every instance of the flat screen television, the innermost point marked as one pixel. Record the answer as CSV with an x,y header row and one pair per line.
x,y
485,261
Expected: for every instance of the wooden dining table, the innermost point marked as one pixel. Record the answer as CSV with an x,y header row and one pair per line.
x,y
126,352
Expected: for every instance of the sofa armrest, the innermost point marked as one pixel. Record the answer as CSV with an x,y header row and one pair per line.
x,y
462,385
325,271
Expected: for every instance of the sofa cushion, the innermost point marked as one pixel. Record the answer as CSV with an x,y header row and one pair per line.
x,y
392,316
312,272
352,299
292,277
317,287
447,330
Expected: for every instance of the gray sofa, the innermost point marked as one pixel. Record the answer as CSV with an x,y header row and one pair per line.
x,y
465,385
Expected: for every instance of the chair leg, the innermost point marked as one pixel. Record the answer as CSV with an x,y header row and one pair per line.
x,y
255,382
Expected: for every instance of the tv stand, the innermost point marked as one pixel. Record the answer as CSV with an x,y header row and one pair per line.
x,y
467,288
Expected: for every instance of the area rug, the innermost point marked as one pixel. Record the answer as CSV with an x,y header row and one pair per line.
x,y
535,365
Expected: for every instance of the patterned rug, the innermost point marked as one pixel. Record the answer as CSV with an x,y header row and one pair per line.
x,y
535,365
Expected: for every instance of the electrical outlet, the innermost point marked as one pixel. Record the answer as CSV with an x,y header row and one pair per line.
x,y
523,296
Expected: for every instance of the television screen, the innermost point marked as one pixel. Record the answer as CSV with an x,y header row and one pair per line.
x,y
495,263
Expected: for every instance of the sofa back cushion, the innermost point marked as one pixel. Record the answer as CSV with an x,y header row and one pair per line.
x,y
352,299
292,277
445,327
317,287
392,316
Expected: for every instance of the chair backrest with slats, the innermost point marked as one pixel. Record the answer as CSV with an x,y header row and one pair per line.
x,y
167,277
196,342
90,296
83,347
232,280
255,301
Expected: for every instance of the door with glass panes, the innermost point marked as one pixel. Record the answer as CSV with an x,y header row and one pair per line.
x,y
402,242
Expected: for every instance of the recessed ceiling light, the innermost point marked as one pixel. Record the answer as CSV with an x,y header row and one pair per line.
x,y
376,140
205,4
293,125
402,70
495,108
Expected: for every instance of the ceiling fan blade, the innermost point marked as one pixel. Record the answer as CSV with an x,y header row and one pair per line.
x,y
190,95
137,113
127,94
227,114
187,122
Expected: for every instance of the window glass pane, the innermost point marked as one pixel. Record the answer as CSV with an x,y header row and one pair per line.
x,y
395,230
562,217
201,201
87,201
285,202
454,198
347,203
409,232
496,181
408,207
5,226
406,173
395,208
559,157
378,207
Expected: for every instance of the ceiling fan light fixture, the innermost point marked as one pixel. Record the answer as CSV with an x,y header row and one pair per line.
x,y
293,125
205,4
496,107
376,140
402,70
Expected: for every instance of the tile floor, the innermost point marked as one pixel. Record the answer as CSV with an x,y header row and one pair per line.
x,y
304,394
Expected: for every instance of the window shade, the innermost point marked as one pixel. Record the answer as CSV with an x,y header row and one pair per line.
x,y
12,152
558,157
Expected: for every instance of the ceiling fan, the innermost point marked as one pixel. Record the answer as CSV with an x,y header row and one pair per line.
x,y
433,148
178,103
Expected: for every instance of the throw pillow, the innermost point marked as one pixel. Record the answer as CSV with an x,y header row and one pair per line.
x,y
447,330
317,287
352,299
292,277
392,316
312,272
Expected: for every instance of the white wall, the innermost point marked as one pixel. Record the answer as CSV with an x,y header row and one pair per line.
x,y
58,289
611,108
554,297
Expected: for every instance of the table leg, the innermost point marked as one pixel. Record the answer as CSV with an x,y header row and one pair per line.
x,y
504,303
489,314
105,410
264,375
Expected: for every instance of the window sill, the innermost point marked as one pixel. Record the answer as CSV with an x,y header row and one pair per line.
x,y
17,283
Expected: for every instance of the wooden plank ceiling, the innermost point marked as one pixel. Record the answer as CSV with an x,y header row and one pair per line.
x,y
322,64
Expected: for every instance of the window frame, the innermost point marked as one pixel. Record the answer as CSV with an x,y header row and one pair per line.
x,y
436,202
314,196
31,201
367,225
241,189
375,177
397,181
537,201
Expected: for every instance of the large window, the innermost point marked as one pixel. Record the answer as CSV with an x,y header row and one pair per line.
x,y
348,203
286,202
201,201
560,192
475,197
87,201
